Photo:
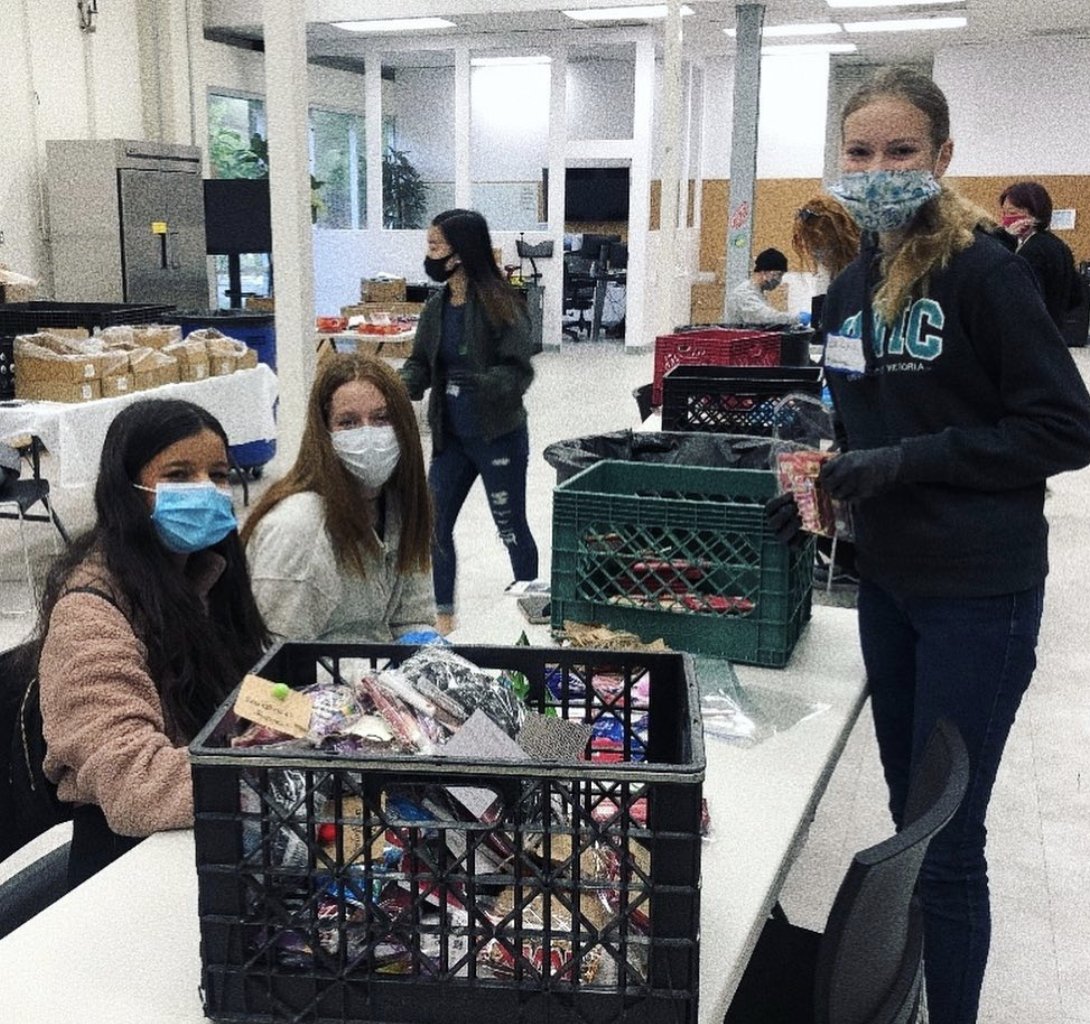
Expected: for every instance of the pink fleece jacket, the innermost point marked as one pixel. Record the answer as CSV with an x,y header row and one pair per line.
x,y
107,738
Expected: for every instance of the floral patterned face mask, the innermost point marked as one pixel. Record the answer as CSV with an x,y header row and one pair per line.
x,y
884,200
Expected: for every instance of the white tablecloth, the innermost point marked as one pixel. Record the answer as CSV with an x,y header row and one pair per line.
x,y
74,433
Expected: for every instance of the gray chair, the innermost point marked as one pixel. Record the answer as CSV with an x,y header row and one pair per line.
x,y
867,967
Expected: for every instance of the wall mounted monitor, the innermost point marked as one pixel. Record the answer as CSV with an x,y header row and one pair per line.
x,y
236,216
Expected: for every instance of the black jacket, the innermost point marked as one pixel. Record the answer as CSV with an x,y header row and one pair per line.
x,y
1054,267
501,373
977,387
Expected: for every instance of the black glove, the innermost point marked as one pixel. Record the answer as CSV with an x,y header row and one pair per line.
x,y
852,476
782,516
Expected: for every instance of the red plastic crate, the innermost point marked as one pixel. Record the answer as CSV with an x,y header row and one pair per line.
x,y
717,346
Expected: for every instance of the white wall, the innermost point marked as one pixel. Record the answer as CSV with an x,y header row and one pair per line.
x,y
509,122
599,99
57,83
1019,109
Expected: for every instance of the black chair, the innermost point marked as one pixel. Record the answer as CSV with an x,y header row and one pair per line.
x,y
31,885
19,496
579,285
867,967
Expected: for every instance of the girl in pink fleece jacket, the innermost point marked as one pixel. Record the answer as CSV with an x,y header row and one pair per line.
x,y
147,623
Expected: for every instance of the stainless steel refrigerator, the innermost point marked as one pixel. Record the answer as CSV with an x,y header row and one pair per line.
x,y
126,222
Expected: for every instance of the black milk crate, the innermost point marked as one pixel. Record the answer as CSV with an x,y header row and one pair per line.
x,y
683,553
517,887
736,400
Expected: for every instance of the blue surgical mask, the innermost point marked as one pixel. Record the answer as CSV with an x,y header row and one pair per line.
x,y
884,200
191,517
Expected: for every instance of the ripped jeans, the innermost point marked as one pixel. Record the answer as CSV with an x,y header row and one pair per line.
x,y
501,465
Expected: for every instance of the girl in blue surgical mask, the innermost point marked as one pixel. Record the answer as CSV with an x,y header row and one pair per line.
x,y
958,400
147,623
339,549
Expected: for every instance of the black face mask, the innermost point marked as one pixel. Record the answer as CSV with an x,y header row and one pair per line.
x,y
437,269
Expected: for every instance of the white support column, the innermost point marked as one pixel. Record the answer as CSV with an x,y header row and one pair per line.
x,y
743,158
372,86
669,145
289,184
553,314
463,187
639,328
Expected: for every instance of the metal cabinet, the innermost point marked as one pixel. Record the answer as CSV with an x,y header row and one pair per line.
x,y
127,222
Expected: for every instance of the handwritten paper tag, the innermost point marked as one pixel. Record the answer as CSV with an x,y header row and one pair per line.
x,y
274,706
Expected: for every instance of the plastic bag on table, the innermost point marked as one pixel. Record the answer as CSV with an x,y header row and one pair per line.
x,y
434,670
746,716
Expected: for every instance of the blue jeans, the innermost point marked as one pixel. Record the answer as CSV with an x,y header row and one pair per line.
x,y
970,660
501,465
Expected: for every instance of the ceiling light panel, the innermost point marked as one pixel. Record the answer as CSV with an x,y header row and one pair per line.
x,y
395,25
888,3
644,12
797,48
905,25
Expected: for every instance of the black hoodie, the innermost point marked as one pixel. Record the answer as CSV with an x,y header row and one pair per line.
x,y
976,385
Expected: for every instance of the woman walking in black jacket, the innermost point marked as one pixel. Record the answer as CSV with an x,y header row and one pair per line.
x,y
473,349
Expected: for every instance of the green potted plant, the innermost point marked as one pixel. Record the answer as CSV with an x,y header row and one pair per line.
x,y
404,195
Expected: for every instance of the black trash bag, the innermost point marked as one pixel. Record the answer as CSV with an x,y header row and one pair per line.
x,y
713,451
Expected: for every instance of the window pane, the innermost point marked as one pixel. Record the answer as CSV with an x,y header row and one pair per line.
x,y
233,121
338,147
418,164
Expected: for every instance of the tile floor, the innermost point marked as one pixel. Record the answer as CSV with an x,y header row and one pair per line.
x,y
1040,816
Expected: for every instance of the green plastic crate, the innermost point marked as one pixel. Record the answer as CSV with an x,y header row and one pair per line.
x,y
682,553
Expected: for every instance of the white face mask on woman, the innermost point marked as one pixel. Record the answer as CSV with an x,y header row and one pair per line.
x,y
370,454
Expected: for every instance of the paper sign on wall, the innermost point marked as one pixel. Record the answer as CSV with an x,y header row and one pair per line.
x,y
274,705
1062,220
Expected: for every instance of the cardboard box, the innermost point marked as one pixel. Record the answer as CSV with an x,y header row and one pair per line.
x,y
17,292
261,304
118,384
372,290
52,359
195,370
220,366
192,359
52,391
156,377
370,309
157,335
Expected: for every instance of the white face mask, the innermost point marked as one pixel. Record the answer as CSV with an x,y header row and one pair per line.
x,y
370,453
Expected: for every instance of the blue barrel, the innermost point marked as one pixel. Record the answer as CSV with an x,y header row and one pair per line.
x,y
258,331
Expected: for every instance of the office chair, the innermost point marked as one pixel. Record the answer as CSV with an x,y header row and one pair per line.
x,y
867,967
19,497
579,288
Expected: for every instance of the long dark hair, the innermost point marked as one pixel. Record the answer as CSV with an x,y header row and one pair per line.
x,y
466,231
195,656
317,468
